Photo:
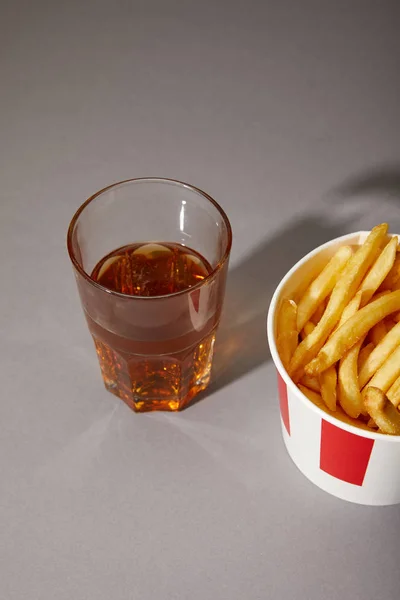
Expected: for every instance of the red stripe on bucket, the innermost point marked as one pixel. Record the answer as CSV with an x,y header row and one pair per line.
x,y
284,404
344,455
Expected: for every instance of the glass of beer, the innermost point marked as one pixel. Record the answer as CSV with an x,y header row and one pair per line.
x,y
150,258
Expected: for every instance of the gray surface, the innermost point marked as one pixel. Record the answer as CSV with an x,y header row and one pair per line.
x,y
286,112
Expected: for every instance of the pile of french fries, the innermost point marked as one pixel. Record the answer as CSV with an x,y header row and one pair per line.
x,y
340,340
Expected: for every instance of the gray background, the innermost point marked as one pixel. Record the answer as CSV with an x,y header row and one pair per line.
x,y
287,112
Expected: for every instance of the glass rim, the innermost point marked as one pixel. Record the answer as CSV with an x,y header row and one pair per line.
x,y
176,182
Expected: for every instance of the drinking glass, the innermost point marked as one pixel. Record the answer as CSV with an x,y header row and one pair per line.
x,y
155,350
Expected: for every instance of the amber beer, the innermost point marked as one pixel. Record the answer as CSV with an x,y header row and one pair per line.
x,y
152,307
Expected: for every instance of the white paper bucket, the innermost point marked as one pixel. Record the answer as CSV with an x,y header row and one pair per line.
x,y
350,463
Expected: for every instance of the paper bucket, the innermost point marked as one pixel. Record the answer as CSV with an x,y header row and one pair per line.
x,y
350,463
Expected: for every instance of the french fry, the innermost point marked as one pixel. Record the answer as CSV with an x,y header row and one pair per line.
x,y
322,286
377,333
311,382
342,293
317,316
349,392
287,344
351,332
393,276
316,399
371,423
393,392
379,270
382,411
350,310
388,372
364,354
287,316
313,396
307,329
396,317
380,294
379,354
328,383
287,335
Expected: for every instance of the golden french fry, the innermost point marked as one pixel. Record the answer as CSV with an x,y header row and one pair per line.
x,y
322,286
364,354
380,294
287,344
393,276
313,396
344,290
307,329
311,382
351,332
393,392
388,372
328,383
350,309
371,423
287,316
378,332
316,399
379,270
317,316
396,317
382,411
349,392
287,339
379,354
